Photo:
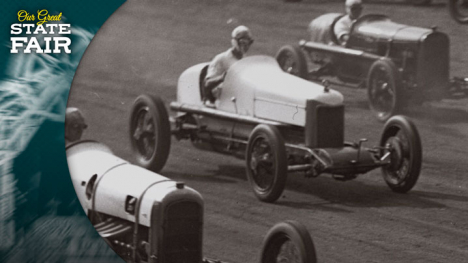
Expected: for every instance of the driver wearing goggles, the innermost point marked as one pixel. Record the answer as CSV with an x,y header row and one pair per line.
x,y
241,42
343,25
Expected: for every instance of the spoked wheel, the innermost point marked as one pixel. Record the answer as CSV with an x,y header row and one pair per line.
x,y
266,162
401,140
288,242
459,10
383,89
150,132
292,60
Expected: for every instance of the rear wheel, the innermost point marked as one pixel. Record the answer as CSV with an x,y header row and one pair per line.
x,y
150,132
288,242
266,163
383,89
402,142
292,60
459,10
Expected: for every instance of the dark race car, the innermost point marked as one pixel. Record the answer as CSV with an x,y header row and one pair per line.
x,y
399,64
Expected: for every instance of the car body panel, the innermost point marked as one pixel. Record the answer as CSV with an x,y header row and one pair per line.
x,y
188,85
256,86
113,184
381,27
321,28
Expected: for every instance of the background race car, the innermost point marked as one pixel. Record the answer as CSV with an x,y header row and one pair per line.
x,y
400,65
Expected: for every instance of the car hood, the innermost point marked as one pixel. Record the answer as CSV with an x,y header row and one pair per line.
x,y
260,88
263,76
381,27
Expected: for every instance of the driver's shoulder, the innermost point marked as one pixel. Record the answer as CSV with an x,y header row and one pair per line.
x,y
219,58
344,21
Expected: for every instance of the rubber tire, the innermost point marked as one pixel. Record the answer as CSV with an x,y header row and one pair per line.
x,y
392,126
277,146
455,14
160,118
395,81
288,230
298,57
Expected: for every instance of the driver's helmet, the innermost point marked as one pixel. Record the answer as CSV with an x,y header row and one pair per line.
x,y
74,124
350,3
241,39
354,8
241,32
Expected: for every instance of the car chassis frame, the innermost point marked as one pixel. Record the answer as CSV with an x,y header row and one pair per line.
x,y
274,149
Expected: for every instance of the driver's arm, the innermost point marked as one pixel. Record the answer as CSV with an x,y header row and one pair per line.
x,y
215,74
343,39
214,81
341,30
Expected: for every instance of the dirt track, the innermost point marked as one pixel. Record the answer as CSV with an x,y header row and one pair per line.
x,y
144,47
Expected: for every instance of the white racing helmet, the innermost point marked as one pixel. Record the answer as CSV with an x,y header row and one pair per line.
x,y
241,39
241,32
353,2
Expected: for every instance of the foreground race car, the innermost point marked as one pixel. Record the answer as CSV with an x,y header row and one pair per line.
x,y
399,65
278,123
145,217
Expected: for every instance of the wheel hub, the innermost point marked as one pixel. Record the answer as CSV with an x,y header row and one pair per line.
x,y
254,164
396,157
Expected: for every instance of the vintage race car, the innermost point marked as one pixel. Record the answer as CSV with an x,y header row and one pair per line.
x,y
278,122
146,217
399,65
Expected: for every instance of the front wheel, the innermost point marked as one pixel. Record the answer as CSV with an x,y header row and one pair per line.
x,y
384,89
292,60
400,139
459,10
288,242
267,165
150,132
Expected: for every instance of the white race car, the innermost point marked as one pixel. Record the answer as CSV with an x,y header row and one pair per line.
x,y
146,217
278,122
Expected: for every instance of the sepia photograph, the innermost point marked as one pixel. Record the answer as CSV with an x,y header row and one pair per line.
x,y
272,131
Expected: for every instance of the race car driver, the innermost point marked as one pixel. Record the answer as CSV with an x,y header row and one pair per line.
x,y
343,25
74,125
241,41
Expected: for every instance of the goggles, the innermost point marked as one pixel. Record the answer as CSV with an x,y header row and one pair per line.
x,y
245,41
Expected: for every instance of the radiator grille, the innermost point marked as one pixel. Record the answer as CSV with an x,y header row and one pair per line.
x,y
325,125
433,73
183,233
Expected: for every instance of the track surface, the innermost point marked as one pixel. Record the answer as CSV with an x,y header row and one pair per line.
x,y
144,47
